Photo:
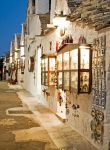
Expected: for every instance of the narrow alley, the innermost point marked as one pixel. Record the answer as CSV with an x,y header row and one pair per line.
x,y
18,130
55,75
25,124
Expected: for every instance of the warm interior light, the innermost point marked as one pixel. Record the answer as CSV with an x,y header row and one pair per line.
x,y
84,58
84,47
52,64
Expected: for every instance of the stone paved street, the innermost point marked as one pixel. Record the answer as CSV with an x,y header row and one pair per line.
x,y
25,124
34,136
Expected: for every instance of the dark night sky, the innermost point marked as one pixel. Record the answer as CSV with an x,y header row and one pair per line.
x,y
12,15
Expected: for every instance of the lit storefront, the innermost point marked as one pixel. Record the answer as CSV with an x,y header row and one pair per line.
x,y
48,70
75,68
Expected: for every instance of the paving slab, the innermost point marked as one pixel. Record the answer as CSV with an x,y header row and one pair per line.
x,y
18,128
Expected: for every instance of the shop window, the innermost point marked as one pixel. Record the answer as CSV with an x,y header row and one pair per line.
x,y
46,78
66,61
51,78
66,80
59,62
46,64
75,71
84,81
48,70
60,80
42,78
74,59
74,80
51,64
84,58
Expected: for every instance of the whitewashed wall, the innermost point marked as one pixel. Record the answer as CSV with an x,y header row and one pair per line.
x,y
81,123
42,4
34,26
107,110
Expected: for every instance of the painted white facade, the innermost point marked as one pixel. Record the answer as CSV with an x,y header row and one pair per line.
x,y
34,42
42,4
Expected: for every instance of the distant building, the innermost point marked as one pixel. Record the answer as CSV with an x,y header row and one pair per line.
x,y
6,67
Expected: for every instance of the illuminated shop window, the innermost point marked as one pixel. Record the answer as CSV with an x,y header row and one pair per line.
x,y
66,61
74,80
84,57
76,68
59,61
46,64
48,70
84,81
60,80
66,80
52,64
74,59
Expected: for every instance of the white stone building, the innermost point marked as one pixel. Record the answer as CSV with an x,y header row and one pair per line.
x,y
56,29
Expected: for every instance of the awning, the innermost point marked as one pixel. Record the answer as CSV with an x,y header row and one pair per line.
x,y
67,47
